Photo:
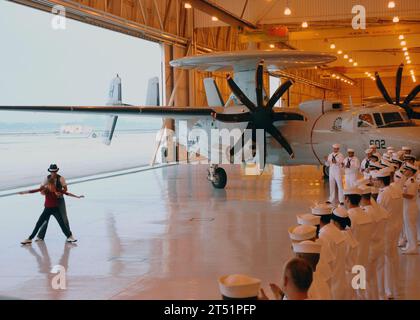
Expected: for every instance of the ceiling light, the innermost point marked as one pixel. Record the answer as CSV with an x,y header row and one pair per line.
x,y
332,46
406,53
412,71
272,46
408,61
187,5
351,60
414,78
404,49
391,5
287,11
304,24
395,19
403,43
407,58
214,18
355,64
333,75
401,37
339,51
346,56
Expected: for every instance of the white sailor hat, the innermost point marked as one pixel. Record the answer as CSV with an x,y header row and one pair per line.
x,y
388,164
376,165
340,212
405,148
307,246
390,148
409,166
383,173
349,191
409,157
366,189
362,182
386,156
373,146
308,219
396,158
367,151
321,209
239,286
302,232
336,145
350,150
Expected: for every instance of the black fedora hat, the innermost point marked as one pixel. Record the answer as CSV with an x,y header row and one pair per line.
x,y
53,168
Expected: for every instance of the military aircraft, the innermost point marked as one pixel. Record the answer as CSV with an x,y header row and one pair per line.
x,y
290,136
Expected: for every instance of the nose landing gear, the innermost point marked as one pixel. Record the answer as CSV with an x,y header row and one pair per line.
x,y
217,176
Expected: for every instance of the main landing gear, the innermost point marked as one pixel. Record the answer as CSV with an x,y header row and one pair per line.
x,y
217,176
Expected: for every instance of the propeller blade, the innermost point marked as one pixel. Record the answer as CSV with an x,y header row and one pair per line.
x,y
382,88
260,83
240,95
279,93
239,145
398,83
411,95
275,133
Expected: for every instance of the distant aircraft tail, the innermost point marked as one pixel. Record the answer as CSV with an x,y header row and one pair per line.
x,y
115,99
153,98
214,98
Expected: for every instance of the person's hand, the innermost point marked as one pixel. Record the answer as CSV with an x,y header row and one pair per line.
x,y
22,192
80,197
262,296
277,292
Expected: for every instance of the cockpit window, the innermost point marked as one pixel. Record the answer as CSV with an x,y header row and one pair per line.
x,y
390,117
378,119
365,121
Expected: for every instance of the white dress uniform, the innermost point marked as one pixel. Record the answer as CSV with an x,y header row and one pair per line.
x,y
418,204
332,236
391,204
362,227
351,170
375,269
319,289
335,163
411,215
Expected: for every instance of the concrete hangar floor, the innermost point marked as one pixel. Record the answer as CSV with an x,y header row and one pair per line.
x,y
164,234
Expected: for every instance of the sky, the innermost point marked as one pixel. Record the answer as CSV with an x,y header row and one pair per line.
x,y
43,66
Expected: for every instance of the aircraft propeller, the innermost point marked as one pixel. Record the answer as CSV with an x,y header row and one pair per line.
x,y
261,116
406,103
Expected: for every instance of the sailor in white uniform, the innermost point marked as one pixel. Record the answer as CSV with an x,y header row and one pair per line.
x,y
362,228
364,166
390,203
332,237
335,164
342,221
375,271
410,208
351,168
397,186
310,251
375,151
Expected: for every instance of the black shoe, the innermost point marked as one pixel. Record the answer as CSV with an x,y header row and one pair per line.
x,y
327,202
341,204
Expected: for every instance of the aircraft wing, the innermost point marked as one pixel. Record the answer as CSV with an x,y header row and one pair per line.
x,y
178,113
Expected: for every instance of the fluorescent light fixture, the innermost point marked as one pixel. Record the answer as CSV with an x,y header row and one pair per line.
x,y
187,5
304,24
332,46
391,5
395,19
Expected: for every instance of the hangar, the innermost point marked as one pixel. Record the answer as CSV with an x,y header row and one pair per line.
x,y
225,120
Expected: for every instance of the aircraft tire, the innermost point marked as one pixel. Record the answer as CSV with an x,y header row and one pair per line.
x,y
220,178
326,171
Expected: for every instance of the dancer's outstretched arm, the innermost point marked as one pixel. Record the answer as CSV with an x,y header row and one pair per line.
x,y
73,195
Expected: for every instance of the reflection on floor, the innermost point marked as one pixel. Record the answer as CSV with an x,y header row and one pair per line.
x,y
164,234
